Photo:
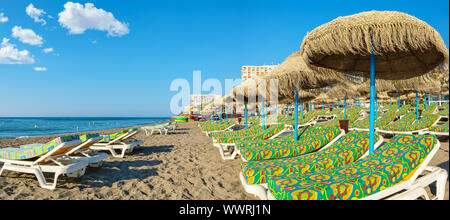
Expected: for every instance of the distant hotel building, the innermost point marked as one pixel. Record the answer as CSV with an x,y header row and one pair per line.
x,y
198,102
251,72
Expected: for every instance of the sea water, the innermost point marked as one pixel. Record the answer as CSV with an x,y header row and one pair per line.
x,y
40,126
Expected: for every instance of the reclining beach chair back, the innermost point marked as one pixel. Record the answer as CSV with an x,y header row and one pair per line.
x,y
38,159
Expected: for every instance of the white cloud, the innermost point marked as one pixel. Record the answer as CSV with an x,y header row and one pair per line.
x,y
78,18
3,18
9,54
26,36
48,50
40,69
35,13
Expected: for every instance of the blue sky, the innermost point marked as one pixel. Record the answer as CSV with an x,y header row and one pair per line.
x,y
127,71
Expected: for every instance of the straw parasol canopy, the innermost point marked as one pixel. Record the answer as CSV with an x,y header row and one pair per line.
x,y
444,89
302,95
342,90
295,73
322,97
404,46
424,83
380,84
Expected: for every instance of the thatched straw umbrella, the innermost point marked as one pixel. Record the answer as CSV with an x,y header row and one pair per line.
x,y
403,45
294,75
321,99
342,91
380,84
421,84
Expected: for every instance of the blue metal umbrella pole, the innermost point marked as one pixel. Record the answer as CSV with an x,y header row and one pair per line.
x,y
338,103
376,108
323,105
302,108
345,107
429,99
372,105
398,100
425,100
246,121
417,105
226,115
262,116
296,116
288,111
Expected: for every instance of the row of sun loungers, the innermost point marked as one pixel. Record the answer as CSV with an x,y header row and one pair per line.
x,y
67,155
327,163
161,128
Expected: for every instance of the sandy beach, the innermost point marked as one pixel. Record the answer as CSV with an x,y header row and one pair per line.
x,y
182,165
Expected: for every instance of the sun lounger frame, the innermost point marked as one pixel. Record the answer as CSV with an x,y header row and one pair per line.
x,y
262,190
117,144
414,187
48,163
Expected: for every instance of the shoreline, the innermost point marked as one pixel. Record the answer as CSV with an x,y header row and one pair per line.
x,y
16,142
167,119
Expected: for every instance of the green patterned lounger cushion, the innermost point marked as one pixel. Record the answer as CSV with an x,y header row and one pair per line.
x,y
444,112
290,149
347,149
441,128
30,151
390,164
88,136
261,135
304,134
108,138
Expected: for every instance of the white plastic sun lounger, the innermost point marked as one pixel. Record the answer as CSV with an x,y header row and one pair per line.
x,y
224,148
53,161
161,129
421,131
230,128
83,152
262,190
117,145
414,187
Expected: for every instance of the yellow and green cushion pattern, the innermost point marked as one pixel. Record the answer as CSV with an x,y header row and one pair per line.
x,y
430,109
386,117
88,136
403,110
108,138
441,128
335,111
30,151
388,165
261,135
445,111
290,148
216,126
344,151
304,135
352,115
401,124
243,132
425,122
